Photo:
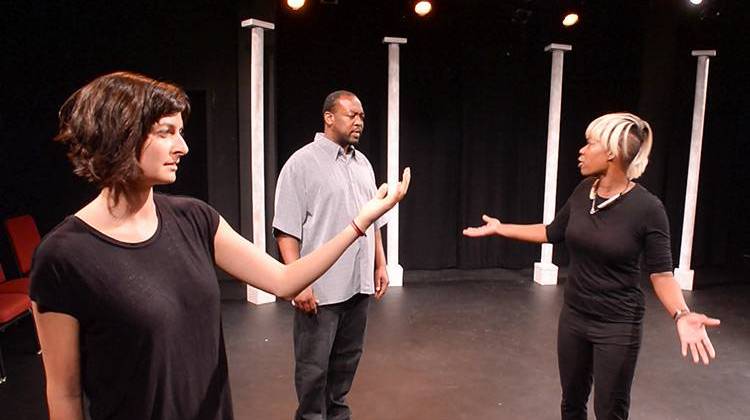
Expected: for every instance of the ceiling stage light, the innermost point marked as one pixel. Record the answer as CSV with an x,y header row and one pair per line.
x,y
570,19
422,8
295,4
696,1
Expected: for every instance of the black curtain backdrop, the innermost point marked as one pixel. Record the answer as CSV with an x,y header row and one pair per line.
x,y
51,48
474,103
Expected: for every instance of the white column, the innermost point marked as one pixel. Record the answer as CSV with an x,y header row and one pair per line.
x,y
395,271
544,271
257,138
683,273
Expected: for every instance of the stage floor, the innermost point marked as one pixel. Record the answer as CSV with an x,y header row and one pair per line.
x,y
457,345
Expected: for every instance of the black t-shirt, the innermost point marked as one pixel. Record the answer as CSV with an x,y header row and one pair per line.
x,y
149,314
605,251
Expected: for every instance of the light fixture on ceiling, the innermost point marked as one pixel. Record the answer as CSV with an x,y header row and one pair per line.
x,y
422,8
696,2
570,19
295,4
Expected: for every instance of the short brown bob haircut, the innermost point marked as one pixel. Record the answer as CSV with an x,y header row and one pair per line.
x,y
105,124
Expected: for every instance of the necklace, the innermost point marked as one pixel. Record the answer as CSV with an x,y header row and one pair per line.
x,y
592,195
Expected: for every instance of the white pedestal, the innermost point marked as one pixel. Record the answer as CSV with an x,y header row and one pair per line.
x,y
395,275
395,271
684,278
258,296
545,273
683,274
257,139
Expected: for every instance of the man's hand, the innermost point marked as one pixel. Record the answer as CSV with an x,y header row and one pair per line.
x,y
381,281
306,302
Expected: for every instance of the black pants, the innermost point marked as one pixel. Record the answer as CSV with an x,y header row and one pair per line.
x,y
327,348
600,351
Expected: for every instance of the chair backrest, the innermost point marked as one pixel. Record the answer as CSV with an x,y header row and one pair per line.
x,y
24,238
2,274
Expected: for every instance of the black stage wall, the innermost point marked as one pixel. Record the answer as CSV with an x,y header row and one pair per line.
x,y
475,86
51,48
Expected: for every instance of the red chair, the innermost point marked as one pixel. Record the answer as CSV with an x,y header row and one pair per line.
x,y
13,286
13,307
24,238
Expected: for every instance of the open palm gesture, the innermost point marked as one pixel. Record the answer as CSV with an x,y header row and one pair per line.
x,y
490,228
692,331
383,201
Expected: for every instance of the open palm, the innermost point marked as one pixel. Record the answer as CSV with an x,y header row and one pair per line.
x,y
383,200
691,329
490,228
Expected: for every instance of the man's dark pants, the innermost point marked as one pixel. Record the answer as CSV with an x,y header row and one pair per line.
x,y
327,349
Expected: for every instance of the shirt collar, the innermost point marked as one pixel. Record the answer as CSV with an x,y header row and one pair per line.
x,y
332,149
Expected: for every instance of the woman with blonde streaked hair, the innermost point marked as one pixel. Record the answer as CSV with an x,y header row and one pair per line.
x,y
608,223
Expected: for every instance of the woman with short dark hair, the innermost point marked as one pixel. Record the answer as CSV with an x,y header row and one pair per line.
x,y
125,295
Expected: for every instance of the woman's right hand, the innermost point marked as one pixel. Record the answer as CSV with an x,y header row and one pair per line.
x,y
691,329
490,228
383,201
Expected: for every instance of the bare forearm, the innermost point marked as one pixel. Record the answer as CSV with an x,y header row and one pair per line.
x,y
301,273
379,250
64,407
527,233
668,291
238,257
59,339
288,247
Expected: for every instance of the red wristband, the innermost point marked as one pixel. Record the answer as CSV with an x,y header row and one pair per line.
x,y
359,231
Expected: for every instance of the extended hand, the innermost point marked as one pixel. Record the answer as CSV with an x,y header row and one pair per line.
x,y
383,201
305,302
692,331
491,228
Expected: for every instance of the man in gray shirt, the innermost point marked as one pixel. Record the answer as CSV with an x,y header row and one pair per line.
x,y
319,191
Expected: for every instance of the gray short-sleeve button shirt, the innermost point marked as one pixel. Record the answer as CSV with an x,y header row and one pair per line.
x,y
319,191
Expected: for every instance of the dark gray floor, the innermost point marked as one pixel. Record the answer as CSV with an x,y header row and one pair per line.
x,y
458,349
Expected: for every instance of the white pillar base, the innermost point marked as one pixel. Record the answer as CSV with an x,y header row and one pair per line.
x,y
684,278
545,273
395,275
258,296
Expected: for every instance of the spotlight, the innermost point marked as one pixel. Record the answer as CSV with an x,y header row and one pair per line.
x,y
696,2
422,8
570,19
295,4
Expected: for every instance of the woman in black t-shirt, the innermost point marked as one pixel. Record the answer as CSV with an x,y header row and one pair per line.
x,y
124,292
608,223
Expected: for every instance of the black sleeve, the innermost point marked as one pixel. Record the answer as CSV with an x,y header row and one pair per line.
x,y
51,288
203,218
207,218
556,229
657,244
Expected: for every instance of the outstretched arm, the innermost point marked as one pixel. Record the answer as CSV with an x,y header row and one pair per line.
x,y
528,233
691,327
240,258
